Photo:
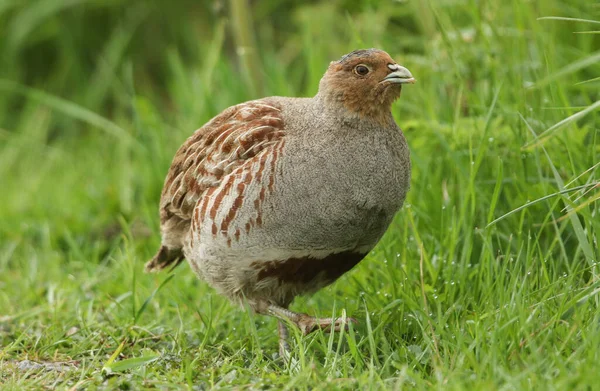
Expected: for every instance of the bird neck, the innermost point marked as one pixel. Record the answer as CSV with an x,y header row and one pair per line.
x,y
336,105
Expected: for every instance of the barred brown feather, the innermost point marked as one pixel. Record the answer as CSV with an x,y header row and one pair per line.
x,y
224,149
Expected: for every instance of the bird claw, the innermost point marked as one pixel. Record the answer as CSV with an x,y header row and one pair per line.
x,y
308,324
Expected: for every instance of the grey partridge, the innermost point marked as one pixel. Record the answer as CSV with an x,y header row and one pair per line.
x,y
280,196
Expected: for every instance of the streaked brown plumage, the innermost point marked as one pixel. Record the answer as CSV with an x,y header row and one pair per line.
x,y
281,196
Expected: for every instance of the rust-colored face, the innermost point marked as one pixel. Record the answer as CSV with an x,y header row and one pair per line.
x,y
366,81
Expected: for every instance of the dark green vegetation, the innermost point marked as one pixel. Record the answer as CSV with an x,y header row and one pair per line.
x,y
95,97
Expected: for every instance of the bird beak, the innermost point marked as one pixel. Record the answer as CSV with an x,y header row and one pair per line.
x,y
400,75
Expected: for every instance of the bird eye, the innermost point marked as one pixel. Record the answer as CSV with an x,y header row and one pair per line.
x,y
361,70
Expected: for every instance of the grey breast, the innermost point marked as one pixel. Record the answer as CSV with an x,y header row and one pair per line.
x,y
339,187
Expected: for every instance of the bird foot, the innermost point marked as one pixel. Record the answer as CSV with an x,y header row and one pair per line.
x,y
308,324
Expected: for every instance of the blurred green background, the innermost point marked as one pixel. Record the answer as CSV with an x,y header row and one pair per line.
x,y
96,96
115,86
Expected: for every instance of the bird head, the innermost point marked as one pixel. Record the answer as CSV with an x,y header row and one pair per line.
x,y
365,82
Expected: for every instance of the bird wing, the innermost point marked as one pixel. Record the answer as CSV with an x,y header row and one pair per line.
x,y
242,136
237,136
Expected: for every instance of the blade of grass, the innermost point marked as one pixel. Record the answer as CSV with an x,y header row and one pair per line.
x,y
568,19
70,109
246,49
545,135
579,207
574,219
370,336
27,20
544,198
114,356
580,301
129,363
147,301
592,168
497,188
573,67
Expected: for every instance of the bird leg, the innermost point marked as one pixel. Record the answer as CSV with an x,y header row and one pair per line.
x,y
284,346
306,323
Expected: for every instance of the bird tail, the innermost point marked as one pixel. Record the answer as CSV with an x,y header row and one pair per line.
x,y
164,258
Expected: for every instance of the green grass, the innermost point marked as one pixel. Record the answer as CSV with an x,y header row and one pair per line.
x,y
95,97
